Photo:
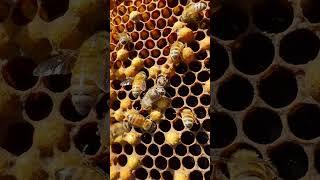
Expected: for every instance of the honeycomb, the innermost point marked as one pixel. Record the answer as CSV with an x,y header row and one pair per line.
x,y
42,135
171,151
262,52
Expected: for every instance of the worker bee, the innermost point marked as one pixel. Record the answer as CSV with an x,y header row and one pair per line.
x,y
88,72
245,164
188,118
134,16
138,84
138,120
151,96
191,12
175,52
118,130
124,39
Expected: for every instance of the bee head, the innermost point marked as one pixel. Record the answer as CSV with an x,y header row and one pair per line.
x,y
162,81
161,91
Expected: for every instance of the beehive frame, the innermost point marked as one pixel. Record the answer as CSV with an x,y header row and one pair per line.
x,y
151,40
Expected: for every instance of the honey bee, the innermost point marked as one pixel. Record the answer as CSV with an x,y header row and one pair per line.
x,y
124,39
245,164
151,96
88,72
138,83
175,52
188,118
134,16
138,120
118,130
191,12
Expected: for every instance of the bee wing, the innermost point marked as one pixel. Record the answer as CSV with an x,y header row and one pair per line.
x,y
53,66
127,82
144,86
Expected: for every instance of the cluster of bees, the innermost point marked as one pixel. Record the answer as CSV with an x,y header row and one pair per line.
x,y
153,100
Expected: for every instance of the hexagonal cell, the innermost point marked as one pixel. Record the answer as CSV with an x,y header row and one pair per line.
x,y
236,93
303,121
310,9
24,12
253,53
262,125
38,106
275,21
18,73
290,160
87,140
299,46
278,88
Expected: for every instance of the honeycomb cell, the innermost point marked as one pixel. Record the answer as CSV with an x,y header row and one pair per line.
x,y
159,138
177,102
150,25
116,148
253,54
189,78
145,16
147,161
128,149
183,90
262,125
202,137
151,7
57,83
187,137
141,173
174,163
18,73
196,89
38,106
153,149
196,175
230,21
200,112
225,130
235,94
203,163
87,140
181,150
18,138
122,160
195,149
178,10
50,9
192,101
303,121
175,80
201,55
275,21
166,150
299,46
310,9
68,111
205,99
161,43
167,175
149,62
141,149
165,125
155,174
188,162
278,88
290,160
161,162
161,23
